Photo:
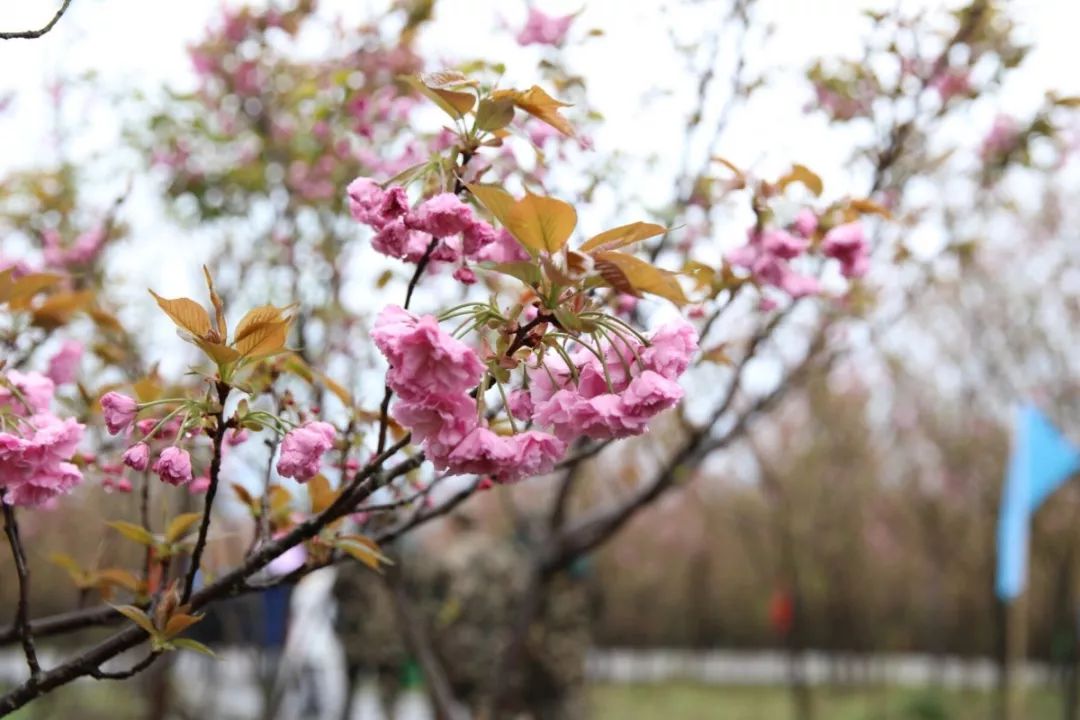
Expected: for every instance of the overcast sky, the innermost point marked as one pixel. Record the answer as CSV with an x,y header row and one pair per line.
x,y
138,43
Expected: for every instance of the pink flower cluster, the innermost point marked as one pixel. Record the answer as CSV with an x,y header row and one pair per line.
x,y
82,251
768,253
767,256
611,398
173,464
951,83
840,106
434,374
302,450
36,450
847,243
1003,138
64,365
404,232
29,393
541,29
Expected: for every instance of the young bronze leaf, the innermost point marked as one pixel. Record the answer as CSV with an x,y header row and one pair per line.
x,y
446,79
498,202
218,352
137,616
219,306
868,207
321,493
266,339
280,498
256,317
363,549
492,115
803,175
452,102
179,623
65,561
180,526
718,355
540,105
245,496
7,280
629,274
120,578
23,290
186,313
58,308
132,532
296,365
542,223
622,236
104,319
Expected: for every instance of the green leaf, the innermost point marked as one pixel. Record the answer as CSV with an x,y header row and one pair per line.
x,y
189,644
523,270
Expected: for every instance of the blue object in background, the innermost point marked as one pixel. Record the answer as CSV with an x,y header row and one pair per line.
x,y
275,615
1042,460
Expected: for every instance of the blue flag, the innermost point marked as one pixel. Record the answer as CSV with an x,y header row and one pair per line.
x,y
1042,460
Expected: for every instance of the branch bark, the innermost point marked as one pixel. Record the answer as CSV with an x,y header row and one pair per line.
x,y
22,610
211,492
34,34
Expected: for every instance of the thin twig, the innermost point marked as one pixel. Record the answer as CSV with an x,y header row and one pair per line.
x,y
211,492
99,674
34,34
22,610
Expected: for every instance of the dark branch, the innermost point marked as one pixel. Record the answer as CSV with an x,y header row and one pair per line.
x,y
34,34
99,674
22,610
211,492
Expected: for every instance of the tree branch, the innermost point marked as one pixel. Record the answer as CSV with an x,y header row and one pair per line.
x,y
363,484
99,674
34,34
22,610
593,530
419,640
211,492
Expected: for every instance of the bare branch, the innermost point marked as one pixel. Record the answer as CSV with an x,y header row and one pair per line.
x,y
99,674
211,492
34,34
22,610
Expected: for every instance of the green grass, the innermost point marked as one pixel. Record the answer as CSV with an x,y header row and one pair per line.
x,y
666,701
86,701
702,702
